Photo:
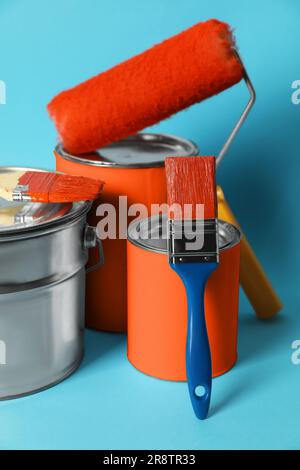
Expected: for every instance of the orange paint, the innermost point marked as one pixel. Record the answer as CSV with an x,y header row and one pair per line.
x,y
157,313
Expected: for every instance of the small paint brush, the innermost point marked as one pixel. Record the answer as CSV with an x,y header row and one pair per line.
x,y
42,186
194,255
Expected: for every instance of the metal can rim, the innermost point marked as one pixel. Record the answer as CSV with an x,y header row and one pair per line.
x,y
138,243
110,164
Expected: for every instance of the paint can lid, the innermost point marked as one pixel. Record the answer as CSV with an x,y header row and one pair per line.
x,y
151,234
19,217
143,150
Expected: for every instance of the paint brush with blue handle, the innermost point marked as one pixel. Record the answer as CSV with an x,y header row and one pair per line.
x,y
194,255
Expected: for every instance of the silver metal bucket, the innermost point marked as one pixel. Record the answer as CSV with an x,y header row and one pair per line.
x,y
42,296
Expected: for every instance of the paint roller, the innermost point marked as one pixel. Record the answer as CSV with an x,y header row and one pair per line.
x,y
185,69
179,72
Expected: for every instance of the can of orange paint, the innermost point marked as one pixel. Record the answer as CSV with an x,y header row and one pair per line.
x,y
157,306
133,167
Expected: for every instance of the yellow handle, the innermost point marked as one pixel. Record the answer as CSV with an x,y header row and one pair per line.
x,y
253,280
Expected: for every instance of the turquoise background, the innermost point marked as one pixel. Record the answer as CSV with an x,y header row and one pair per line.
x,y
50,45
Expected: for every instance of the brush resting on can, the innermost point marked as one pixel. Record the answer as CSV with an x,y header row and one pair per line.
x,y
40,186
191,183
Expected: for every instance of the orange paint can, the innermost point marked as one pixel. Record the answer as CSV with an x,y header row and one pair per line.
x,y
133,167
157,306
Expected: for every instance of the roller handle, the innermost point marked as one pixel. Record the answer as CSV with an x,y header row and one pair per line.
x,y
253,279
198,358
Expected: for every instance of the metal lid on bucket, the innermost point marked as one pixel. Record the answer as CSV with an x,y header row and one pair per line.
x,y
151,234
19,217
143,150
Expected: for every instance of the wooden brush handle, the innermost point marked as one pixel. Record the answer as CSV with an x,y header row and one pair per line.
x,y
253,279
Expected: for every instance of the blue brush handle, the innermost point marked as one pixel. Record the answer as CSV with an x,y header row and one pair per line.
x,y
198,360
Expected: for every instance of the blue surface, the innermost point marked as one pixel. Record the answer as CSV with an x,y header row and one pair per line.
x,y
50,45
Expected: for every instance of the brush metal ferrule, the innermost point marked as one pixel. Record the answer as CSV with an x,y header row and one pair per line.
x,y
193,241
20,194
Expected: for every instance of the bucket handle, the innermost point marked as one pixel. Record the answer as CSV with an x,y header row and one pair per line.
x,y
91,240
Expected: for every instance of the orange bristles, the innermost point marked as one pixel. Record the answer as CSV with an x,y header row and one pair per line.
x,y
54,187
40,186
191,181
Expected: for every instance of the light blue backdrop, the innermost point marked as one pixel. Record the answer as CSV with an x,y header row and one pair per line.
x,y
53,44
